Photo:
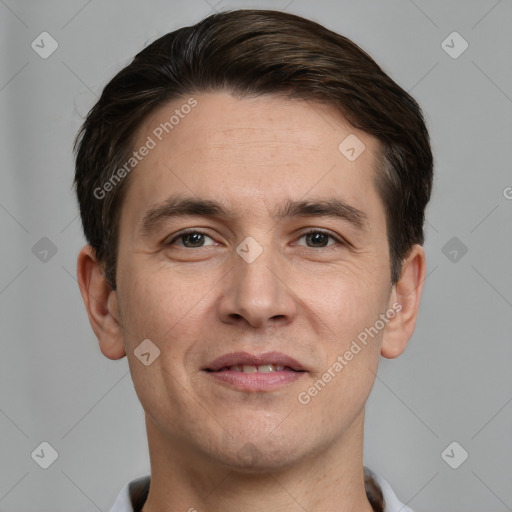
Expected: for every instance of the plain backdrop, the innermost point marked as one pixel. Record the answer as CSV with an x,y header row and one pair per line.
x,y
453,383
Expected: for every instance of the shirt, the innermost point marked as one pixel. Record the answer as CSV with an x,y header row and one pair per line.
x,y
134,494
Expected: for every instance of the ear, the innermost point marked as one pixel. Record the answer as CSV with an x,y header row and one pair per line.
x,y
405,294
101,304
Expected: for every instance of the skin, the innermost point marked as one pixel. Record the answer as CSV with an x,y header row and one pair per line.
x,y
213,447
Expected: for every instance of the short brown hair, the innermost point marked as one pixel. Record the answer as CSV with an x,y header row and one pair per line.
x,y
257,52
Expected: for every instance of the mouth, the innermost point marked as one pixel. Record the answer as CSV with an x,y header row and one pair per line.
x,y
253,372
251,363
250,368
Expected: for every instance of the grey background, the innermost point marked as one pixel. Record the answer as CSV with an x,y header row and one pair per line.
x,y
452,384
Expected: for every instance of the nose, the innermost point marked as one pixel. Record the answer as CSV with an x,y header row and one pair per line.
x,y
258,293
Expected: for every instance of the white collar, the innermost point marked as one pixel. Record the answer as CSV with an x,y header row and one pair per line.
x,y
140,485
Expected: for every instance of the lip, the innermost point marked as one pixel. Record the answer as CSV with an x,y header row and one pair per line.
x,y
255,382
241,358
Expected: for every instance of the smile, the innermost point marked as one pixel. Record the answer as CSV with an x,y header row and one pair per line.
x,y
249,368
248,372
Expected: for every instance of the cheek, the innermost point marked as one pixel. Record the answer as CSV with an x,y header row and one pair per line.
x,y
159,298
168,313
348,305
161,307
346,298
351,351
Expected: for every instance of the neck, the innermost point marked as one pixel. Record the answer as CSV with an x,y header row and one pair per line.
x,y
332,480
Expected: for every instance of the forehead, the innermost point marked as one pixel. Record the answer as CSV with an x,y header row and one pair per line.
x,y
250,153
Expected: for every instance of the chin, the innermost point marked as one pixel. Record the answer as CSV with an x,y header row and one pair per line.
x,y
256,456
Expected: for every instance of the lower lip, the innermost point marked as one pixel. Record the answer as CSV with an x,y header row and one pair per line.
x,y
256,381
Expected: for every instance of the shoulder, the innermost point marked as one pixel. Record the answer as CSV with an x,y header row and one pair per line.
x,y
132,496
391,501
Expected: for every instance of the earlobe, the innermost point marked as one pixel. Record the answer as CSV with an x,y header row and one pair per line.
x,y
101,304
407,294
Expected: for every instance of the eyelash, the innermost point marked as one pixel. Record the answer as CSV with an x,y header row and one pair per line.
x,y
338,240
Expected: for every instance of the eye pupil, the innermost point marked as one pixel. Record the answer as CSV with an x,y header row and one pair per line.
x,y
196,239
318,239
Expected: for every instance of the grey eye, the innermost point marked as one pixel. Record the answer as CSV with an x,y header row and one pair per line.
x,y
318,239
192,239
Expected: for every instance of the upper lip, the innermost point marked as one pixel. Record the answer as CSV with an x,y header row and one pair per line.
x,y
241,358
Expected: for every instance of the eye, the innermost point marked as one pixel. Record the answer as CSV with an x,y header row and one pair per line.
x,y
191,239
319,239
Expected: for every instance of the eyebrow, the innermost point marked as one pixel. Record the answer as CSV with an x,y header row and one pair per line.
x,y
180,206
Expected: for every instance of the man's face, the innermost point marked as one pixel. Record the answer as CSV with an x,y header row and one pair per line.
x,y
213,293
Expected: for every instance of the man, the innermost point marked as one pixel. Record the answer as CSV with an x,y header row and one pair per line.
x,y
252,190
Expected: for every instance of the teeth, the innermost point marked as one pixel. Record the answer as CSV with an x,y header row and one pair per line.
x,y
263,368
267,368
